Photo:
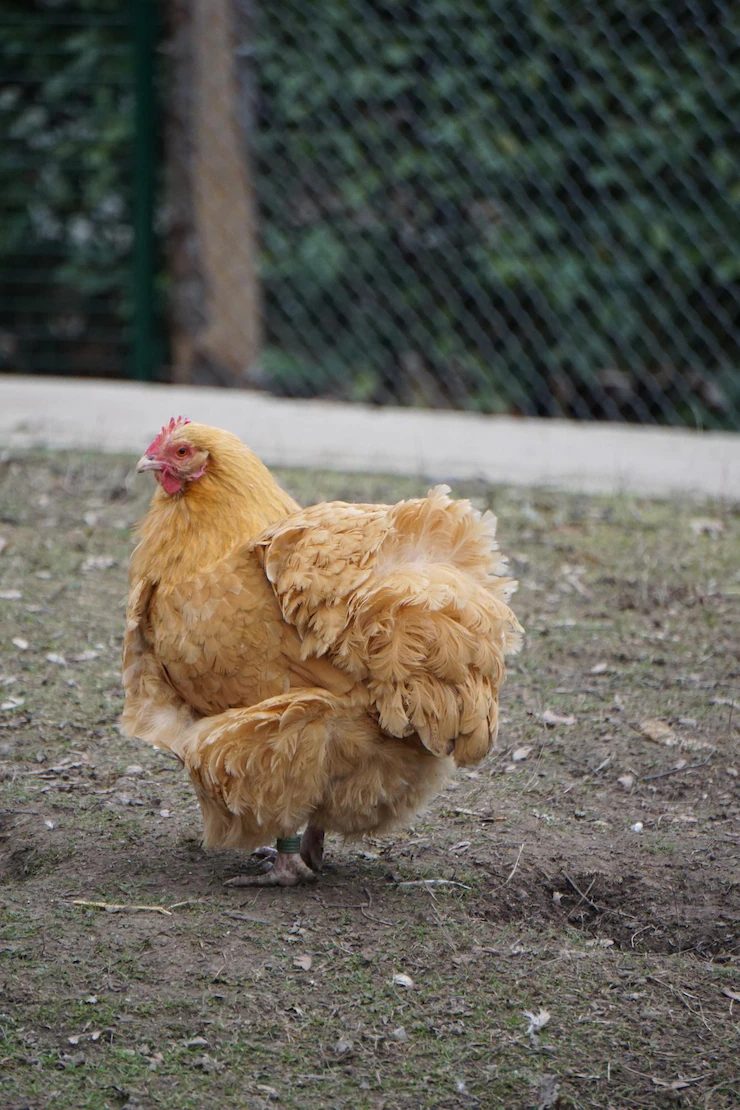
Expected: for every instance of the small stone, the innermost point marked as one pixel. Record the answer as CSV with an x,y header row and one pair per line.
x,y
399,1035
637,827
626,781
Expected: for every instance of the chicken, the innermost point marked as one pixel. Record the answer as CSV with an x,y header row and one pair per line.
x,y
325,667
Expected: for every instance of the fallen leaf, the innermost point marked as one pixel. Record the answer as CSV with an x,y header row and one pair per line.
x,y
519,754
55,657
343,1048
599,668
658,731
49,824
399,1035
626,781
10,595
3,544
196,1042
637,827
405,981
551,719
676,1084
305,962
13,703
463,846
730,993
84,656
20,643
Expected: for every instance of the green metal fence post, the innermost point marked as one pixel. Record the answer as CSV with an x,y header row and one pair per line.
x,y
143,39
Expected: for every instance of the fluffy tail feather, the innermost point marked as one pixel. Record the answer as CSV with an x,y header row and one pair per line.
x,y
409,600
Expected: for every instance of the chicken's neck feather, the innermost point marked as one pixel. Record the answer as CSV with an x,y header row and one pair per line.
x,y
235,500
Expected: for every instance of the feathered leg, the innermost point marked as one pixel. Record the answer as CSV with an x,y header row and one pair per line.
x,y
280,866
304,759
312,847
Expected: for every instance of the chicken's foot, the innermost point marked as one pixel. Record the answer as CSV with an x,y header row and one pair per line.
x,y
312,850
287,870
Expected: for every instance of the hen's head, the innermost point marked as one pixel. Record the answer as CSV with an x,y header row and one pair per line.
x,y
177,456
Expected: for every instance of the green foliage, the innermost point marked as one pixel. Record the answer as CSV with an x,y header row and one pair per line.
x,y
66,121
503,205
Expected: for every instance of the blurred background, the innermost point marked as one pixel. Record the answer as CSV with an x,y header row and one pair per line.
x,y
510,206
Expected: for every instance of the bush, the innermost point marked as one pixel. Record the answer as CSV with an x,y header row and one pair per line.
x,y
506,206
66,111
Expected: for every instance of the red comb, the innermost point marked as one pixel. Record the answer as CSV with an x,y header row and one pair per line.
x,y
167,429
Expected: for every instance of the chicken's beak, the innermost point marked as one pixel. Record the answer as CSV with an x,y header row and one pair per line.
x,y
148,462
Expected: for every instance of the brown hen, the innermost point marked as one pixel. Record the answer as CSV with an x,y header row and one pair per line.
x,y
324,667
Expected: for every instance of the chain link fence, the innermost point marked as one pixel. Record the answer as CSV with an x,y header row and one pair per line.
x,y
510,206
526,206
66,223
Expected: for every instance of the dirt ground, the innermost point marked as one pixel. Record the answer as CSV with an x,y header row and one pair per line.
x,y
565,919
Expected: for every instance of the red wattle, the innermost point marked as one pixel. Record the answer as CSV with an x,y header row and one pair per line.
x,y
171,484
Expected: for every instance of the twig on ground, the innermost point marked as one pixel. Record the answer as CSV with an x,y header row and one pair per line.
x,y
120,907
236,915
678,770
512,873
432,883
584,897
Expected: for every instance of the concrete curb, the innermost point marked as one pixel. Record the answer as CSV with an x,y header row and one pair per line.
x,y
123,417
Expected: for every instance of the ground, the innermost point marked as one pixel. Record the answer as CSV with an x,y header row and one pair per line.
x,y
587,869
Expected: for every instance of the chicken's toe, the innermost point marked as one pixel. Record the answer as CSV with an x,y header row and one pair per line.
x,y
265,852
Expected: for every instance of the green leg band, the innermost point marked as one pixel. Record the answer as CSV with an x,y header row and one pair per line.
x,y
289,845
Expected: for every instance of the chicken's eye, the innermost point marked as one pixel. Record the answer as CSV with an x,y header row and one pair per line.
x,y
182,451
